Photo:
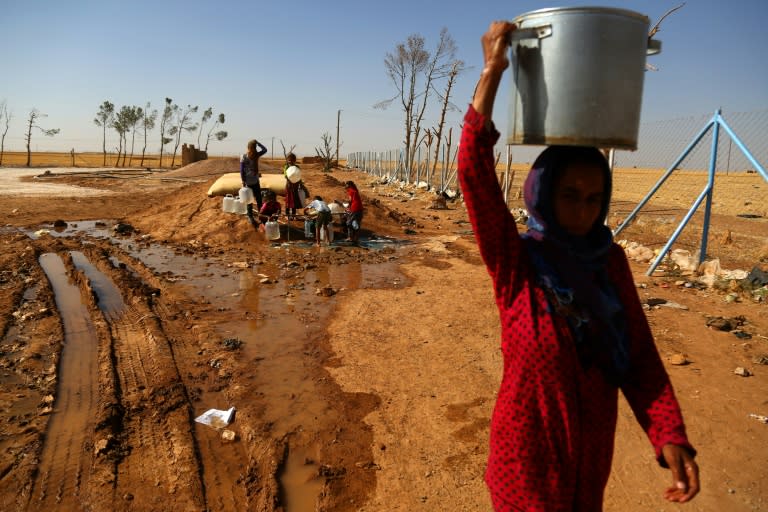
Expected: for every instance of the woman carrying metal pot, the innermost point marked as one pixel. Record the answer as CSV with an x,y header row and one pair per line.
x,y
573,332
249,175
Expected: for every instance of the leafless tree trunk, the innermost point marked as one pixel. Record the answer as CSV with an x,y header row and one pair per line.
x,y
439,67
5,118
456,69
34,114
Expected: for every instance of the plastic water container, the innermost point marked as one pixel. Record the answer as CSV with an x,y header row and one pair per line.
x,y
228,204
322,234
239,207
293,173
272,230
309,228
246,195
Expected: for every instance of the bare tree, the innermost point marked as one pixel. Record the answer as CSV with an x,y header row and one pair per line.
x,y
219,135
290,150
326,151
183,123
207,114
404,67
104,118
5,118
164,120
414,71
34,115
457,67
147,123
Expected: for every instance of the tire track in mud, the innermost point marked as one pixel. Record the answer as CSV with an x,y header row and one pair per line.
x,y
222,467
122,415
151,442
65,460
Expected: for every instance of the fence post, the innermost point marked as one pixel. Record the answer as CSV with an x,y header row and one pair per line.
x,y
710,187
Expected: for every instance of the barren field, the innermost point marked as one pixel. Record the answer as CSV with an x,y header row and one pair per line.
x,y
362,377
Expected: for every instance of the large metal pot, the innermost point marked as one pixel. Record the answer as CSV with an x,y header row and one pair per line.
x,y
578,76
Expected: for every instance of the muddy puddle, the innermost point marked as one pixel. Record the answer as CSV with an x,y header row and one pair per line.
x,y
277,312
62,458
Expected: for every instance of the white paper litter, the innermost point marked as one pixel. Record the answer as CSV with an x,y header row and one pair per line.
x,y
216,418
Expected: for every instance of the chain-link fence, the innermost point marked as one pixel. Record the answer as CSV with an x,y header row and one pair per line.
x,y
738,184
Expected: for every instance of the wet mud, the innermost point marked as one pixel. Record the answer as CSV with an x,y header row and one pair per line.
x,y
153,336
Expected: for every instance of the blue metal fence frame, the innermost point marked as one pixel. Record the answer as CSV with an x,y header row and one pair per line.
x,y
715,124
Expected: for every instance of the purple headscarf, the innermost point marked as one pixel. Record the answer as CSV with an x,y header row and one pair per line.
x,y
571,268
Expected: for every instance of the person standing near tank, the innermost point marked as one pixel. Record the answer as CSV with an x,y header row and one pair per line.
x,y
293,191
249,175
573,332
354,211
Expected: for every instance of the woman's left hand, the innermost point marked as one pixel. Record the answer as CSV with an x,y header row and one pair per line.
x,y
685,473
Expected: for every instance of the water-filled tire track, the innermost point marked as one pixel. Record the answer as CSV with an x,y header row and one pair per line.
x,y
65,446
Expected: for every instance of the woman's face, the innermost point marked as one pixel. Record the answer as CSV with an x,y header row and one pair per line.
x,y
578,198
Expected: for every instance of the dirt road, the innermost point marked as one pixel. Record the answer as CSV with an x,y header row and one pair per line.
x,y
363,377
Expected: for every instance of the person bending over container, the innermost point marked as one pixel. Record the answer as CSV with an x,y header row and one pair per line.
x,y
322,219
573,332
354,211
271,209
249,175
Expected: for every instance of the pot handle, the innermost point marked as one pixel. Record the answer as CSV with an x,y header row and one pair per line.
x,y
654,47
539,32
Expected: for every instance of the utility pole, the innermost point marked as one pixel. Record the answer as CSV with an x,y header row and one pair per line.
x,y
338,121
273,148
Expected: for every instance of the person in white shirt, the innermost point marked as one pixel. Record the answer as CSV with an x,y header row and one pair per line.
x,y
323,218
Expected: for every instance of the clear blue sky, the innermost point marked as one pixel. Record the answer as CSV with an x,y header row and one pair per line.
x,y
284,69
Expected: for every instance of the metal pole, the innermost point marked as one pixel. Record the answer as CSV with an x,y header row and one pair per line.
x,y
506,175
710,187
338,121
661,181
743,148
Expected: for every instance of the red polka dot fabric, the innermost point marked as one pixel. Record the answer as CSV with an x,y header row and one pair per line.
x,y
553,425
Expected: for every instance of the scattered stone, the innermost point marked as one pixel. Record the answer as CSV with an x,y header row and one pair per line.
x,y
761,359
331,473
232,343
240,264
370,465
265,280
121,228
741,335
102,445
325,291
759,417
228,435
725,324
742,372
673,305
58,223
678,360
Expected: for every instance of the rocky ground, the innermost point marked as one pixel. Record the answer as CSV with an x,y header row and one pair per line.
x,y
362,377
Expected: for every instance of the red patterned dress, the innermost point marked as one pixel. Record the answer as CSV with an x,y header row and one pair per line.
x,y
553,425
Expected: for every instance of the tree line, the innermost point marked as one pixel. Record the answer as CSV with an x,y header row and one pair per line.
x,y
129,121
173,122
